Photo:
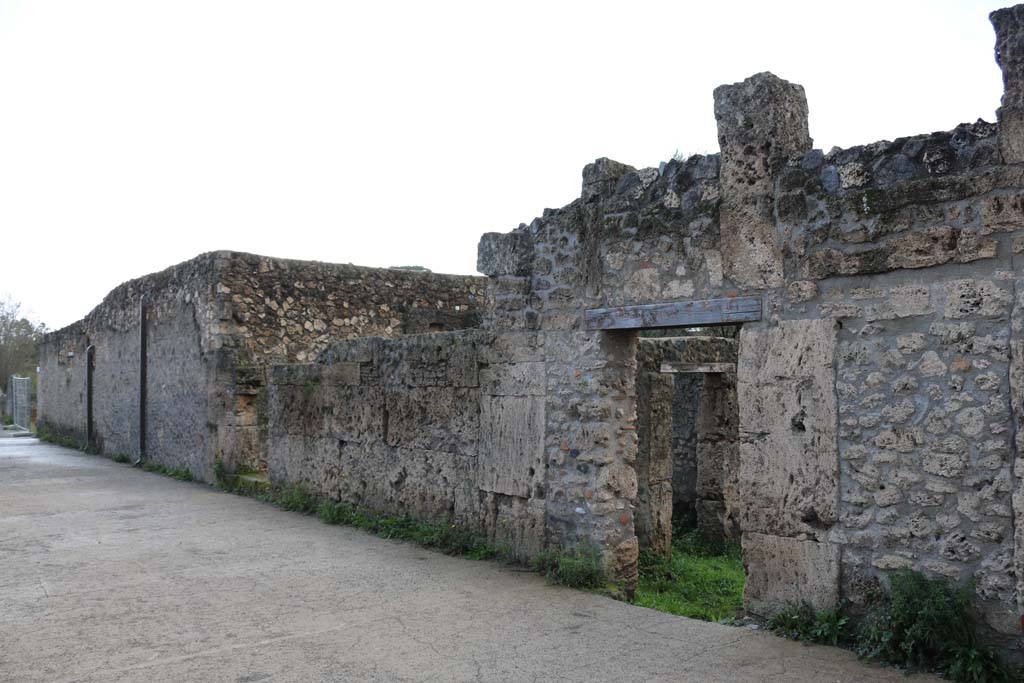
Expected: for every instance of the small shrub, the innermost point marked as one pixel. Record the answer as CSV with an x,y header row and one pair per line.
x,y
220,474
794,622
296,498
981,665
920,623
830,627
803,623
334,513
578,567
928,623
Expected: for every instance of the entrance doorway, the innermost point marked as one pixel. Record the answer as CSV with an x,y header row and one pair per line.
x,y
688,446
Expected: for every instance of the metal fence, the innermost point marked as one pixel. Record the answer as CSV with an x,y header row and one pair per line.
x,y
19,391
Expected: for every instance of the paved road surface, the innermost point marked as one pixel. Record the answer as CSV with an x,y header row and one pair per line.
x,y
109,574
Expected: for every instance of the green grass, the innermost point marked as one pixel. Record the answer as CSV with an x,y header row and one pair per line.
x,y
58,440
578,567
179,474
447,538
701,579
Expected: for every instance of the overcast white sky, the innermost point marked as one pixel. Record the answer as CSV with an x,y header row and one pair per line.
x,y
136,134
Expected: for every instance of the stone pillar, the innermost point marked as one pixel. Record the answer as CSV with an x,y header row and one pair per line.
x,y
718,457
1017,407
1009,26
653,516
761,122
789,464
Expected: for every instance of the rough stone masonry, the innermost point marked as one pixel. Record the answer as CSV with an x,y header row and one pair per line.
x,y
879,387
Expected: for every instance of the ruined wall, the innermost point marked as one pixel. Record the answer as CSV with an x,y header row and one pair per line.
x,y
214,325
61,383
438,427
286,311
876,419
179,305
180,311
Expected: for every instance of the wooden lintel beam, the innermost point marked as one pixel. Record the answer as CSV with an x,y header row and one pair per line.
x,y
678,368
697,313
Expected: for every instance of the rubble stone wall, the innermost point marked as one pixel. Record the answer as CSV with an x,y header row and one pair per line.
x,y
214,325
285,311
877,413
880,396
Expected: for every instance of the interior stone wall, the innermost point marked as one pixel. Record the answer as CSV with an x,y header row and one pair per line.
x,y
718,453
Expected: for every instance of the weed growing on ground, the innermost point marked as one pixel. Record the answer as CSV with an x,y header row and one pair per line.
x,y
581,566
58,440
220,474
922,624
802,622
928,623
47,436
296,498
701,579
448,538
179,474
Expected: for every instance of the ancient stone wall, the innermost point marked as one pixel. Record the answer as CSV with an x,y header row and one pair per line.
x,y
880,397
179,312
61,388
285,311
213,326
876,416
438,427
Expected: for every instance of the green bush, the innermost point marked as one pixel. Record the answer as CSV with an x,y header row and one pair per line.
x,y
922,623
803,623
334,513
220,474
296,498
579,567
928,623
